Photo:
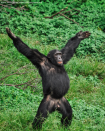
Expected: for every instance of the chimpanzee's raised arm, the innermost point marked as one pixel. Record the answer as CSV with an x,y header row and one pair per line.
x,y
32,54
72,44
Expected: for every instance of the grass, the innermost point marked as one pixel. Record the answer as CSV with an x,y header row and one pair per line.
x,y
18,107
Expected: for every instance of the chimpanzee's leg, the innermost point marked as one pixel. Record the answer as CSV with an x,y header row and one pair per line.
x,y
66,111
46,107
49,105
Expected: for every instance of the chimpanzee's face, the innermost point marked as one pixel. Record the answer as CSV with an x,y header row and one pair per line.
x,y
55,57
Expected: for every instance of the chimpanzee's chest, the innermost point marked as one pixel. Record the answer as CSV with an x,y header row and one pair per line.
x,y
55,81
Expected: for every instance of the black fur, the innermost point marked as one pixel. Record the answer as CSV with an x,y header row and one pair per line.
x,y
54,77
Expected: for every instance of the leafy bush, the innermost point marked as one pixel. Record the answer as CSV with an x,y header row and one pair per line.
x,y
88,114
31,22
82,110
12,97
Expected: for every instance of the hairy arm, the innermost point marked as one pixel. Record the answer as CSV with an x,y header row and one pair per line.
x,y
32,54
72,44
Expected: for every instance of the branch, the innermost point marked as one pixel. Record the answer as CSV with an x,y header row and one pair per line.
x,y
12,3
56,13
24,83
13,73
71,11
10,85
21,84
31,85
70,19
75,10
3,5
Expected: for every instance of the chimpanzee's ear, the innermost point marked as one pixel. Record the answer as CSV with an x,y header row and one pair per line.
x,y
48,55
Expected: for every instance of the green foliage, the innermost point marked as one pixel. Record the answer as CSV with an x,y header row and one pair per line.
x,y
94,115
84,111
12,97
31,22
79,67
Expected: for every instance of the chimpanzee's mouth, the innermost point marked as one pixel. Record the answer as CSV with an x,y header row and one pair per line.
x,y
60,62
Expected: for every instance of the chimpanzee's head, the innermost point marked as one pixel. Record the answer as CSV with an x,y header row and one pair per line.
x,y
55,57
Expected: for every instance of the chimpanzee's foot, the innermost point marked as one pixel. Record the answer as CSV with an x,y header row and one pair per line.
x,y
83,35
10,34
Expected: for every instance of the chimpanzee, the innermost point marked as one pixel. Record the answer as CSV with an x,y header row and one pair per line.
x,y
55,80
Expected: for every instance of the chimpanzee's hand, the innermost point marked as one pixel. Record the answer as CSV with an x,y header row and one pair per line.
x,y
83,35
10,34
